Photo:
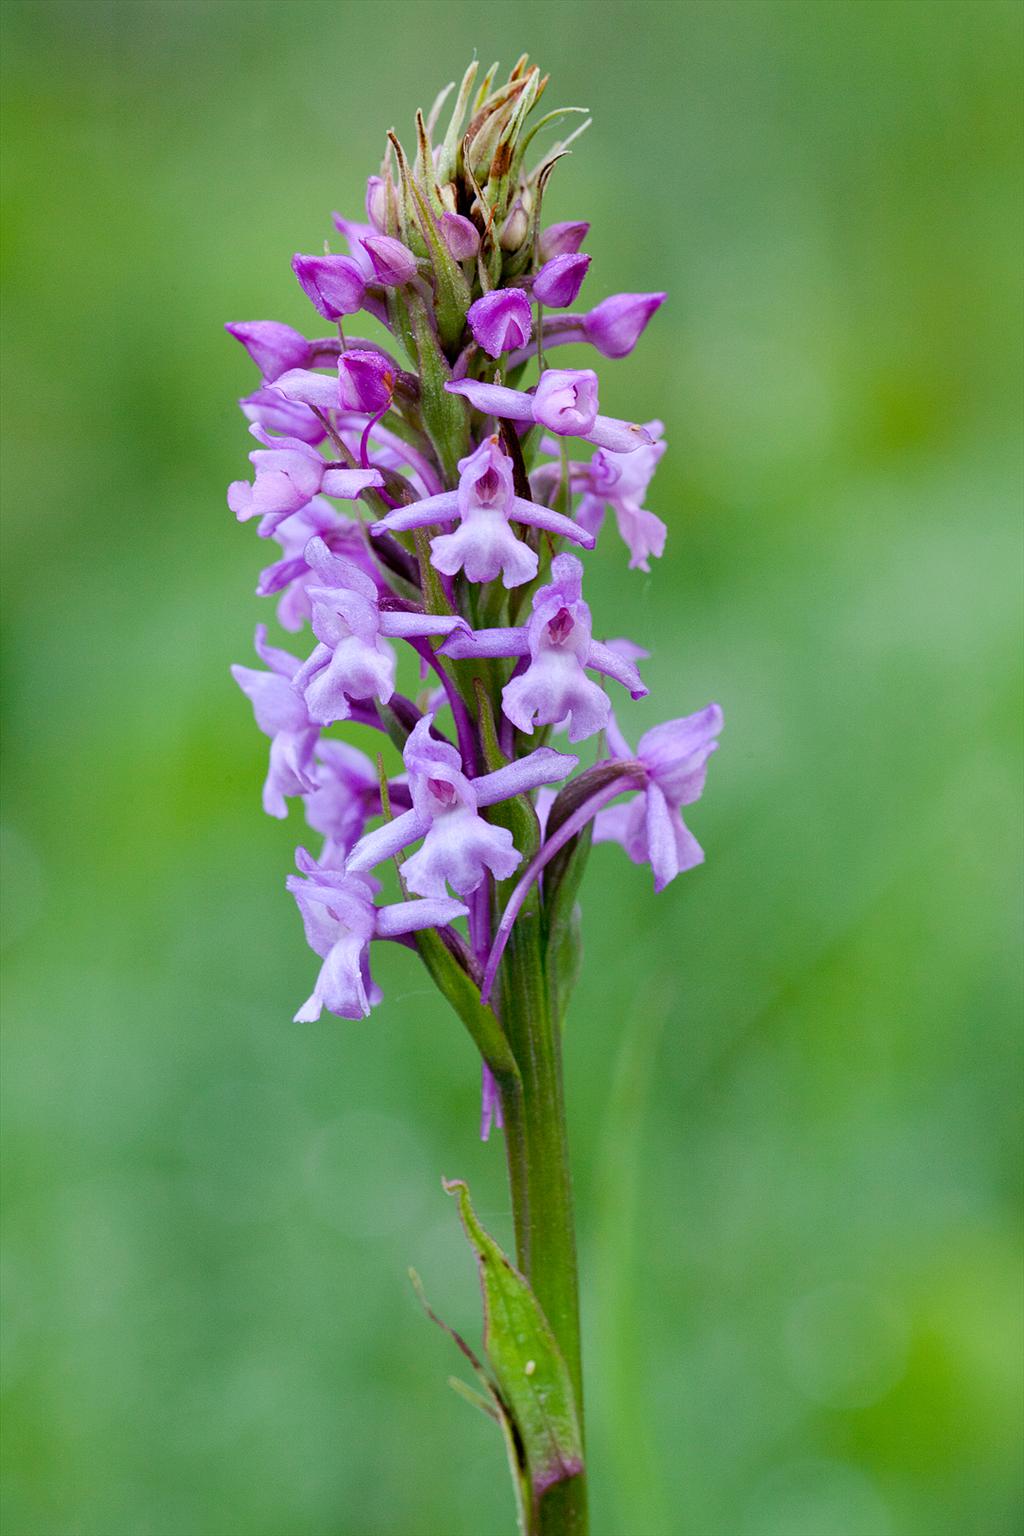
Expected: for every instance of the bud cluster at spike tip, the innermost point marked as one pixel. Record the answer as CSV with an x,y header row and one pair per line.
x,y
432,491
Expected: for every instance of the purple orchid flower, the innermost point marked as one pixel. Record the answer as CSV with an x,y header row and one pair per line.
x,y
375,203
459,846
650,827
281,715
289,473
485,503
353,659
364,384
273,347
559,645
619,481
340,920
354,234
564,401
501,321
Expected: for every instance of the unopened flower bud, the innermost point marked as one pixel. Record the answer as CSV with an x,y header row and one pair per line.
x,y
366,382
460,235
560,279
393,263
515,228
563,239
376,202
501,320
616,325
333,284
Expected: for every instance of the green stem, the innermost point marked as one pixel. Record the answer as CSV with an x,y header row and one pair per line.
x,y
541,1182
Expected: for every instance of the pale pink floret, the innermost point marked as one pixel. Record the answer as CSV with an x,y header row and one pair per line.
x,y
281,715
484,545
559,644
353,659
459,846
650,827
340,920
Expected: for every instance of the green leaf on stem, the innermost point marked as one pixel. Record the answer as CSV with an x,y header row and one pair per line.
x,y
531,1375
491,1404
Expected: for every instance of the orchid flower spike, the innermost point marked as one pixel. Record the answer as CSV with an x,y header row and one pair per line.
x,y
484,546
454,432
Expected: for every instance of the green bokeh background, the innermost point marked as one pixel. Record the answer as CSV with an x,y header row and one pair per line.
x,y
794,1077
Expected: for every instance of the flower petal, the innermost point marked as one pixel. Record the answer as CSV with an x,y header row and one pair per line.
x,y
494,399
411,916
545,766
384,842
420,514
603,659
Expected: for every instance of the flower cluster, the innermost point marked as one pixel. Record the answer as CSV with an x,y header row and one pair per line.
x,y
430,493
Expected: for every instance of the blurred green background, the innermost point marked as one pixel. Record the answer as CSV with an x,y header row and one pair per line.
x,y
794,1077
